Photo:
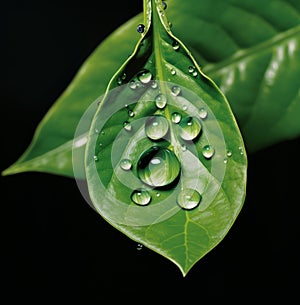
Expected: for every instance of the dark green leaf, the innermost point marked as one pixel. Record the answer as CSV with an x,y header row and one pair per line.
x,y
165,161
249,47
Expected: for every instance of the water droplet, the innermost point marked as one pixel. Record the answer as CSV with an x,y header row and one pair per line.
x,y
176,117
103,132
184,107
154,84
144,76
133,85
176,90
141,197
203,113
164,4
229,153
195,73
161,101
183,147
170,25
127,126
241,150
190,128
131,113
158,167
173,72
96,158
156,127
157,194
188,199
126,164
191,69
140,28
208,151
175,44
97,130
139,247
225,160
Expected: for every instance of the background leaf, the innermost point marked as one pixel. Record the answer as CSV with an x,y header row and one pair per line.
x,y
254,59
141,199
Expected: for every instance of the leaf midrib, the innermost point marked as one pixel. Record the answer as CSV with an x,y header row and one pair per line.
x,y
257,49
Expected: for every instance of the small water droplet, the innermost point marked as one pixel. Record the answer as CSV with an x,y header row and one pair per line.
x,y
208,151
225,160
144,76
140,28
100,144
103,132
195,73
175,45
188,199
164,4
176,90
127,126
161,101
96,158
173,72
133,85
184,107
126,164
158,167
170,25
190,128
229,153
191,69
241,150
156,127
154,84
141,197
183,147
131,113
203,113
139,247
157,194
97,130
176,117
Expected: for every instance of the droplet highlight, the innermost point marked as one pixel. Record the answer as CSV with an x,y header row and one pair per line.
x,y
156,127
126,164
141,197
158,167
208,151
190,128
161,101
189,199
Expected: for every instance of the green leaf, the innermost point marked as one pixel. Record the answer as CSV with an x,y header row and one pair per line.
x,y
165,161
250,48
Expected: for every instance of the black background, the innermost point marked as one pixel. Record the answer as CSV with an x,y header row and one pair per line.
x,y
56,249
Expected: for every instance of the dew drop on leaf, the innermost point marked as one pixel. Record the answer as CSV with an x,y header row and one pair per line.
x,y
144,76
140,28
229,153
126,164
203,113
208,151
156,127
161,101
188,199
190,128
175,44
158,167
173,72
133,85
191,69
96,158
141,197
176,90
176,117
127,126
164,4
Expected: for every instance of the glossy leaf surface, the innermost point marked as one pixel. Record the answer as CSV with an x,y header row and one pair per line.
x,y
250,48
165,161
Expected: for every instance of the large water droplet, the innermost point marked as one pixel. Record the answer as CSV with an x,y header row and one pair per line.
x,y
144,76
126,164
176,90
161,101
156,127
158,167
203,113
141,197
176,117
188,199
140,28
208,151
164,4
190,128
